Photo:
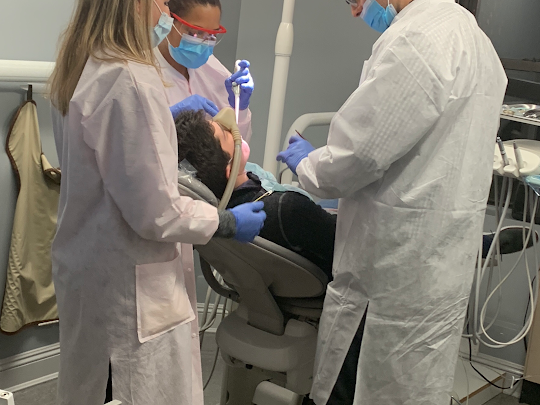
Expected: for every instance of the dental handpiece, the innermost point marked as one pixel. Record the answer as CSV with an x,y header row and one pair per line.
x,y
236,91
503,151
519,159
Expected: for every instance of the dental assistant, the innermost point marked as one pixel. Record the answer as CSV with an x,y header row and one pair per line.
x,y
119,271
190,68
409,155
195,79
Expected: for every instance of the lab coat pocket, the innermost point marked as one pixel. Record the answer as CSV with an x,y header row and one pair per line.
x,y
162,300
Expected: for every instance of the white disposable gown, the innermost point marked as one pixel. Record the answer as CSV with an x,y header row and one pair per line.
x,y
117,266
207,81
410,155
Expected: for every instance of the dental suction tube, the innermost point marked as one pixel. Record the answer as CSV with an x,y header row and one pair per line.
x,y
226,117
236,91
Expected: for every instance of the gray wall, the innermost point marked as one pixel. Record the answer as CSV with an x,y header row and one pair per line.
x,y
225,51
30,28
512,27
514,30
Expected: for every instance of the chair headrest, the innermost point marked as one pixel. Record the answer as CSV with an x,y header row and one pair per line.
x,y
189,186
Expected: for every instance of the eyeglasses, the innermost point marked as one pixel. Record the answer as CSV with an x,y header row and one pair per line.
x,y
351,3
201,33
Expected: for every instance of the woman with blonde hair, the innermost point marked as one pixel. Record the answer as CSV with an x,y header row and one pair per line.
x,y
118,268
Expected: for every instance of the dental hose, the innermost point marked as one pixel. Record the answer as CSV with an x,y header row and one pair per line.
x,y
234,170
237,148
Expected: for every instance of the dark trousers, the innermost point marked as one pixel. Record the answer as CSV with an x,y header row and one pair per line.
x,y
343,392
108,392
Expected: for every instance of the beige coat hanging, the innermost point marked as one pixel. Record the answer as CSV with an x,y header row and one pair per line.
x,y
29,295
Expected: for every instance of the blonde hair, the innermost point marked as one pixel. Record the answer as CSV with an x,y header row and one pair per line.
x,y
109,30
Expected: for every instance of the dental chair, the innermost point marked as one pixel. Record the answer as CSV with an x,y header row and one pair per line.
x,y
268,342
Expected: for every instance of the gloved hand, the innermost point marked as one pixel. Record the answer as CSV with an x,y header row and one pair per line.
x,y
194,102
298,150
249,220
245,81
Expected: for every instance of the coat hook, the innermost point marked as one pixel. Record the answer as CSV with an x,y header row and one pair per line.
x,y
29,93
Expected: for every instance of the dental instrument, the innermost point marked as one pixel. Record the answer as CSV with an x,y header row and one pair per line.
x,y
264,195
519,159
503,151
236,90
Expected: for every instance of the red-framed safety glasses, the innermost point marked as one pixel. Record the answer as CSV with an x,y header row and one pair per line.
x,y
199,32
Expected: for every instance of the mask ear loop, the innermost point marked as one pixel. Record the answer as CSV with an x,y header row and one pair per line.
x,y
179,33
160,10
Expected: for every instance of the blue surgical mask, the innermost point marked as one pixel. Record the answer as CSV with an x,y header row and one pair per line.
x,y
192,52
162,29
378,17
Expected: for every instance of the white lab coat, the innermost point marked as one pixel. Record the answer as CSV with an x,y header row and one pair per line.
x,y
410,155
207,81
118,272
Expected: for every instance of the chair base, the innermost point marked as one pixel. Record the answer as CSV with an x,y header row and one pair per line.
x,y
291,355
243,386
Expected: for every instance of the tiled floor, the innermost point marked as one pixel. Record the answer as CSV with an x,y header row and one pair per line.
x,y
42,394
45,394
503,400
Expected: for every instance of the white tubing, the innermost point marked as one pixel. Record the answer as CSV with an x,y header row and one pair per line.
x,y
283,51
481,269
300,125
480,331
533,295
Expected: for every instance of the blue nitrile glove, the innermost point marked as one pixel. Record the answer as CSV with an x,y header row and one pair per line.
x,y
298,150
245,81
249,220
194,102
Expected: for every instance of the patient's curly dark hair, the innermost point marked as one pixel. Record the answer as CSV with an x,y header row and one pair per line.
x,y
197,144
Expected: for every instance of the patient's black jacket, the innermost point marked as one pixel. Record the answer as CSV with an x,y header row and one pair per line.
x,y
293,221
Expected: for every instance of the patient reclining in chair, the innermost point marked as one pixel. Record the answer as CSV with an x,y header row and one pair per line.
x,y
293,220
